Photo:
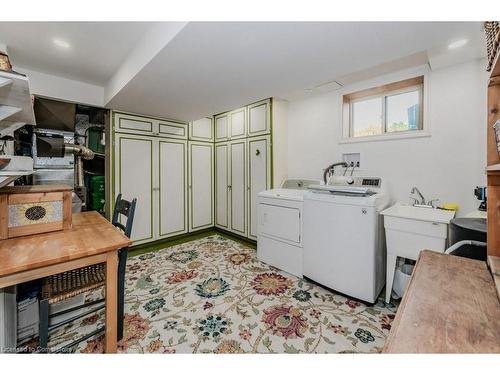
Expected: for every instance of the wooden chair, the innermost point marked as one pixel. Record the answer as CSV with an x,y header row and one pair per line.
x,y
69,284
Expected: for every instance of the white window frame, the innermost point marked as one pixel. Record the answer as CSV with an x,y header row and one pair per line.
x,y
346,125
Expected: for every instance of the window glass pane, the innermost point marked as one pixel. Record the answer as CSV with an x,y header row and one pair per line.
x,y
367,117
403,112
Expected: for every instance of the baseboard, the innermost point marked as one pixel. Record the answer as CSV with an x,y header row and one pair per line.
x,y
176,240
167,242
232,236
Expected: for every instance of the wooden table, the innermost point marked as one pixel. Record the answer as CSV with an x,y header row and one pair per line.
x,y
450,306
91,240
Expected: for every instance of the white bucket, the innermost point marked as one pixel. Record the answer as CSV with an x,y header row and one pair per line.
x,y
401,279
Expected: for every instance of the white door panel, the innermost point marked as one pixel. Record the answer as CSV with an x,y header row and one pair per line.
x,y
134,179
259,118
221,128
221,185
201,185
259,177
237,190
202,129
172,188
133,124
237,123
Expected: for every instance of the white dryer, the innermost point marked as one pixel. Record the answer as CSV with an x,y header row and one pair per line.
x,y
344,247
279,229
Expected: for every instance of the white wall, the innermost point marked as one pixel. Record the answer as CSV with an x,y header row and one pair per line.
x,y
62,88
280,148
447,165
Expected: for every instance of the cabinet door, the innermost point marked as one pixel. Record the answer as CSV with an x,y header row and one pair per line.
x,y
200,185
237,124
133,177
259,177
202,130
221,185
221,128
172,188
237,187
172,129
133,124
259,118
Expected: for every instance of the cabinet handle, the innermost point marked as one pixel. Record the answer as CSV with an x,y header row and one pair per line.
x,y
229,187
257,152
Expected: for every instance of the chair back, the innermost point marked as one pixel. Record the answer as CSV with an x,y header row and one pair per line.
x,y
126,209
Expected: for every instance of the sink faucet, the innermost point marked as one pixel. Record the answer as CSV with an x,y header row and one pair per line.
x,y
422,202
414,190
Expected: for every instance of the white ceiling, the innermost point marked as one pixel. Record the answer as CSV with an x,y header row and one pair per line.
x,y
213,67
97,48
204,68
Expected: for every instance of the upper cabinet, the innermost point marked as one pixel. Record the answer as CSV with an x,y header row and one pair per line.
x,y
259,118
221,127
237,123
250,121
202,130
126,123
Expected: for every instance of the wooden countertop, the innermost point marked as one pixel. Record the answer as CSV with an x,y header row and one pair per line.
x,y
25,189
494,264
450,306
91,234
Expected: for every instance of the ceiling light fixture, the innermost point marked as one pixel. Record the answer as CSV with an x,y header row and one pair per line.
x,y
457,44
61,43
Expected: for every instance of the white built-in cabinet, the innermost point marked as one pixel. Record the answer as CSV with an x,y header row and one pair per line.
x,y
171,176
237,165
222,185
202,130
242,166
201,185
259,176
189,177
222,127
171,188
134,178
153,170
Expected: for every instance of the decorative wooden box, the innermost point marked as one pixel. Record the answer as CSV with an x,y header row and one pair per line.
x,y
34,209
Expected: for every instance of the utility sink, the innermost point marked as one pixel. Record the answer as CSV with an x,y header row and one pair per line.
x,y
409,230
419,213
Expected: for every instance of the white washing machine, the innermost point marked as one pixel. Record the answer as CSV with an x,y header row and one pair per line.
x,y
279,230
343,236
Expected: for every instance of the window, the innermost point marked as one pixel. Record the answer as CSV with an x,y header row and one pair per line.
x,y
393,108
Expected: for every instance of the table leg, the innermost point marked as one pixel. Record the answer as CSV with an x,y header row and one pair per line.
x,y
111,301
391,268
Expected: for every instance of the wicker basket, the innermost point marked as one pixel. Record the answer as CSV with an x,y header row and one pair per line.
x,y
492,30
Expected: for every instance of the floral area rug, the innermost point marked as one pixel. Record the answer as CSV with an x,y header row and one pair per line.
x,y
213,296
